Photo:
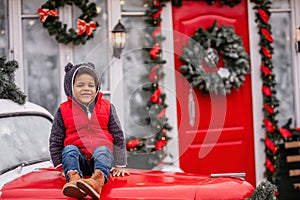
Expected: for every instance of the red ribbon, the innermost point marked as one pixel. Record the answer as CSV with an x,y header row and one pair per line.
x,y
156,32
157,3
266,90
263,15
265,70
157,14
44,12
154,51
270,145
153,73
132,144
269,126
267,34
155,96
266,52
162,114
269,109
285,133
160,144
84,27
269,165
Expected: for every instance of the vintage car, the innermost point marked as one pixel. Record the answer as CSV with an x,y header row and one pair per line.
x,y
26,171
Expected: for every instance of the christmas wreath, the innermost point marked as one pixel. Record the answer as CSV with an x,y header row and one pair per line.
x,y
202,60
85,25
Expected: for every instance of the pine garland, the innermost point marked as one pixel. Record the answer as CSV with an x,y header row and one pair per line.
x,y
156,105
8,88
85,25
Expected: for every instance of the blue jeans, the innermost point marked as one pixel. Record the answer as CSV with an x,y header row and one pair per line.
x,y
74,159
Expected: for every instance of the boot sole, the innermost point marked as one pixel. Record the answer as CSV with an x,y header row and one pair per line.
x,y
73,191
88,189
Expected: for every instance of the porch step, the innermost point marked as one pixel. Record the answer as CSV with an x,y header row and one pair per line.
x,y
294,172
294,144
297,185
294,158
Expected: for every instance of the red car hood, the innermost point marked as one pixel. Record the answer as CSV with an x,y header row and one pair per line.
x,y
141,184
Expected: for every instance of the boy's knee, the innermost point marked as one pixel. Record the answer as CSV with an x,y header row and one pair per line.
x,y
102,149
69,149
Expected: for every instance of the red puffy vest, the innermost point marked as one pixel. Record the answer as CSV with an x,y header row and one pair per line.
x,y
87,134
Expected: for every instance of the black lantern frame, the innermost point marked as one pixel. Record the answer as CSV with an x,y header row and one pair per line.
x,y
118,39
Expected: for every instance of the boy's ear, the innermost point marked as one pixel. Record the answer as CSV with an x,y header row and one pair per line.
x,y
68,67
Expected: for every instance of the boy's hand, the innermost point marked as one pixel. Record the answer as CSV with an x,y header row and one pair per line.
x,y
119,171
60,168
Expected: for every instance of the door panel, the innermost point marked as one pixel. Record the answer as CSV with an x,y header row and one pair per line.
x,y
221,140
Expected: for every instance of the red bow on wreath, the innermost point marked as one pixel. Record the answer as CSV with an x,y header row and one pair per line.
x,y
44,12
83,27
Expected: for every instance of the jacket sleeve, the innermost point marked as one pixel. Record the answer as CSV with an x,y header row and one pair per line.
x,y
56,140
114,126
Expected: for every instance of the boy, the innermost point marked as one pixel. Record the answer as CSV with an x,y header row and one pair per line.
x,y
86,136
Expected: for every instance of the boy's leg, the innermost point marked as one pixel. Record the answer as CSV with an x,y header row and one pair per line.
x,y
72,158
103,159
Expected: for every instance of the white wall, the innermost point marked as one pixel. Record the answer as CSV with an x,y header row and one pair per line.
x,y
257,101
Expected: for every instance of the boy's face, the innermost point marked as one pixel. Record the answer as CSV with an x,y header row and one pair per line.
x,y
84,88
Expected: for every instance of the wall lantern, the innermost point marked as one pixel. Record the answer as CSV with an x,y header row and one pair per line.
x,y
118,39
298,39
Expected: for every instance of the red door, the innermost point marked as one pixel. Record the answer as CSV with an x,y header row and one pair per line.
x,y
219,138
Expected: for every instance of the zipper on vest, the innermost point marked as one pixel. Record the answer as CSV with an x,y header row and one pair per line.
x,y
88,112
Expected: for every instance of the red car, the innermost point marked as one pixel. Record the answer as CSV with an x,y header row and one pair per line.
x,y
26,171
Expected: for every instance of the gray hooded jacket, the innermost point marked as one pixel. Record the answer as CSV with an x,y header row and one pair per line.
x,y
56,140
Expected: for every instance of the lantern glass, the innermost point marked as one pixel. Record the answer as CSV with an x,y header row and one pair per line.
x,y
119,40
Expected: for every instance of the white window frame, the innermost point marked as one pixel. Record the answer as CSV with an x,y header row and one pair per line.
x,y
296,58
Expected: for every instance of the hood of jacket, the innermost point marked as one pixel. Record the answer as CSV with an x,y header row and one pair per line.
x,y
71,70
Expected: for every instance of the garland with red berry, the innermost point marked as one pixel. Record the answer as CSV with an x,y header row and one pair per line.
x,y
156,105
85,26
274,133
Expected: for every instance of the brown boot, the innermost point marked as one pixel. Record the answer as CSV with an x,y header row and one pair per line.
x,y
92,186
70,189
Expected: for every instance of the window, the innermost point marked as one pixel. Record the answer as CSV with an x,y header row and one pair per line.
x,y
281,22
42,59
25,138
3,29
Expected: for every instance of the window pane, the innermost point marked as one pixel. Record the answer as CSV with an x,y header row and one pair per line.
x,y
3,29
96,50
134,78
41,62
282,62
136,5
280,4
24,139
31,7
